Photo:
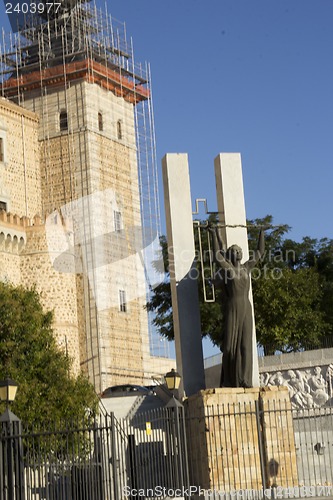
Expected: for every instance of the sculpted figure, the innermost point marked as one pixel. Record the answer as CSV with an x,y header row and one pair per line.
x,y
277,379
303,378
299,395
329,378
319,387
234,279
264,379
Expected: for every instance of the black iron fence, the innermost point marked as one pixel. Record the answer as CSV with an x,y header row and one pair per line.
x,y
249,450
261,451
104,458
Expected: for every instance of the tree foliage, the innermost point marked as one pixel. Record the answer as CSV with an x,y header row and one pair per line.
x,y
160,302
29,354
292,291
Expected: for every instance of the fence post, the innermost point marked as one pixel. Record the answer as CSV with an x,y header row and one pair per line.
x,y
133,467
184,443
262,456
114,457
180,465
12,467
99,462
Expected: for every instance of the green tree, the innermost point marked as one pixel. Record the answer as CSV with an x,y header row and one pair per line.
x,y
287,291
160,301
292,290
287,309
29,354
317,255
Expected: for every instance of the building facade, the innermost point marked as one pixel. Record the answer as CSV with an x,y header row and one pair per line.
x,y
78,187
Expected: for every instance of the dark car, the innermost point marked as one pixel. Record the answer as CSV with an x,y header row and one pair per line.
x,y
126,390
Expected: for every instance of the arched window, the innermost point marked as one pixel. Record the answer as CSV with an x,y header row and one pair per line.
x,y
63,120
119,130
100,121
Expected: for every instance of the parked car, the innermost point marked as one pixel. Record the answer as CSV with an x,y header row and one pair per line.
x,y
126,390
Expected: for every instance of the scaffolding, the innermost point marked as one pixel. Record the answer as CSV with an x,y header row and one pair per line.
x,y
86,42
82,43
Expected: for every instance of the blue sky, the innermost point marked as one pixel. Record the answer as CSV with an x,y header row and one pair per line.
x,y
248,76
254,77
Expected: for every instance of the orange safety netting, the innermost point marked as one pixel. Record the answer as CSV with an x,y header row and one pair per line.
x,y
89,70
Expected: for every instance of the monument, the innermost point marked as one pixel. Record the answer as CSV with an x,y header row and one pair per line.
x,y
232,231
237,416
233,278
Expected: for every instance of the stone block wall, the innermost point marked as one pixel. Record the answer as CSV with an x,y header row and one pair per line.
x,y
20,183
12,241
57,289
91,157
44,169
278,437
240,438
25,260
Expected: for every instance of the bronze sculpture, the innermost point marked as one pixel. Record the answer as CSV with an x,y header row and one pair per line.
x,y
234,279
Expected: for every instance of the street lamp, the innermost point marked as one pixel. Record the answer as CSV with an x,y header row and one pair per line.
x,y
176,446
172,380
8,390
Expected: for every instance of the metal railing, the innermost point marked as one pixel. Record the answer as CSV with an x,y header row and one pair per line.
x,y
259,450
326,343
105,458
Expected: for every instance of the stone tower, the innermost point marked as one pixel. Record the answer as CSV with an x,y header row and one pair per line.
x,y
74,73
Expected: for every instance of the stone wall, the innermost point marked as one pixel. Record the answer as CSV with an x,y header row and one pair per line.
x,y
12,241
57,289
230,449
25,260
46,169
278,437
20,184
91,158
308,375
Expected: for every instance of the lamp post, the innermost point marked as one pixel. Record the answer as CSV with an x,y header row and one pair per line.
x,y
177,434
8,390
172,380
11,473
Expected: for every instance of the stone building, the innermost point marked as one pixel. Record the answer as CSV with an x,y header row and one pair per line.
x,y
78,187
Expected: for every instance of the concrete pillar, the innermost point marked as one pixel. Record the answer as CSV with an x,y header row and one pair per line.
x,y
230,202
184,288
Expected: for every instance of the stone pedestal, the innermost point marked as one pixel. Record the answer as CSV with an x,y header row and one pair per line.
x,y
241,439
278,436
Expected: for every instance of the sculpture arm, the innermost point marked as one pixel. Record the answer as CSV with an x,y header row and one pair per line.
x,y
218,250
259,253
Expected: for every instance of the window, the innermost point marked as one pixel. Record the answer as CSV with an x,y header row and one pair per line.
x,y
119,130
3,133
3,205
122,301
100,122
117,221
63,120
